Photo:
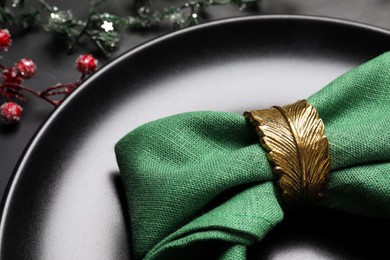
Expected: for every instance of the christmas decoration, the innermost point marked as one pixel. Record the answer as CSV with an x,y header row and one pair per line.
x,y
104,29
10,113
86,64
11,88
5,39
26,68
11,75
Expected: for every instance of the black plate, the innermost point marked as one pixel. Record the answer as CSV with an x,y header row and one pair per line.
x,y
66,200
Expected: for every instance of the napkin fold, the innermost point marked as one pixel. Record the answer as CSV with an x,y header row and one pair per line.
x,y
198,184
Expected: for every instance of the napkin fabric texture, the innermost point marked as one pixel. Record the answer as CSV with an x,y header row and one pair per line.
x,y
199,185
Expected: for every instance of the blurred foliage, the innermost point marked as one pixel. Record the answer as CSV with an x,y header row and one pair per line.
x,y
103,28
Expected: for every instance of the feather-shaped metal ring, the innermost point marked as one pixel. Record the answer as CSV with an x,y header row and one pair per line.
x,y
294,138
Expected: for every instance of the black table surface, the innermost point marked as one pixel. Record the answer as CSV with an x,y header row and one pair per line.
x,y
55,65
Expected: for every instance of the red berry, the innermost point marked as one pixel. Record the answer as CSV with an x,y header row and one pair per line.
x,y
10,113
5,39
11,75
86,64
26,67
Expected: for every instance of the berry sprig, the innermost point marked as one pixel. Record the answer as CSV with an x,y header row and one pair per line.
x,y
12,90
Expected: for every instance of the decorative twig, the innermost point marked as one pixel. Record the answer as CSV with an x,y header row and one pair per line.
x,y
11,88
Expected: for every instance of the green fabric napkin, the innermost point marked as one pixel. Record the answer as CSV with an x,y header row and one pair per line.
x,y
199,185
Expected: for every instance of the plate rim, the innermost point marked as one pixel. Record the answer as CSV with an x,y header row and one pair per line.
x,y
39,133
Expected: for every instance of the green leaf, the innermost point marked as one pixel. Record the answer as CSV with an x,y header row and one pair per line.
x,y
6,17
29,19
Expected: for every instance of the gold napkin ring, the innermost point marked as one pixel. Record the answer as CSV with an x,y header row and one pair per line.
x,y
294,139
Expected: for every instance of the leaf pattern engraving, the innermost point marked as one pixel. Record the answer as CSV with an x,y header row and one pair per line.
x,y
294,138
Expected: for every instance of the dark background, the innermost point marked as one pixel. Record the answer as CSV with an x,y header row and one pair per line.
x,y
55,65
